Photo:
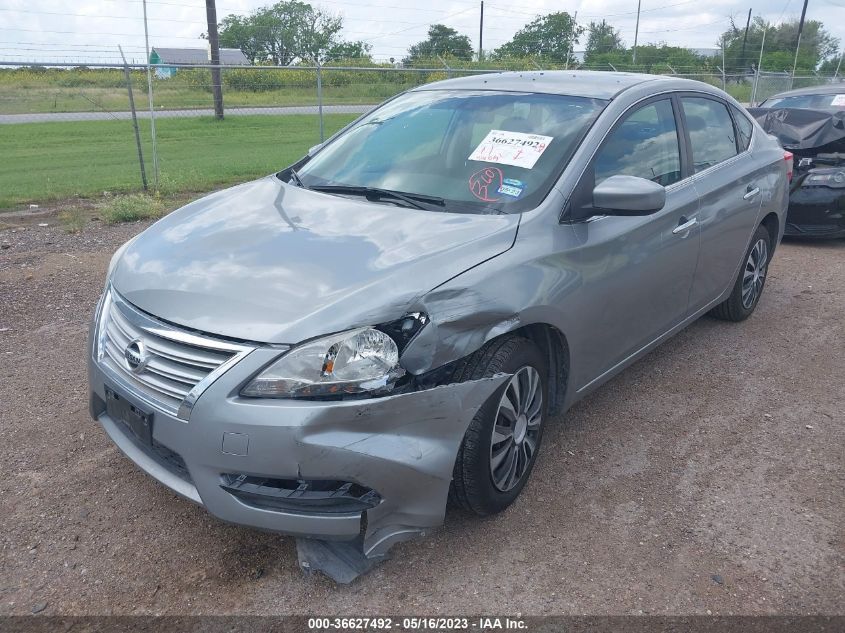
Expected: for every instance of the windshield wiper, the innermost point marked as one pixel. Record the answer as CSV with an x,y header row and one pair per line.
x,y
415,200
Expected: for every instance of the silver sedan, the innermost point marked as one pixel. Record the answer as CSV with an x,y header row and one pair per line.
x,y
335,350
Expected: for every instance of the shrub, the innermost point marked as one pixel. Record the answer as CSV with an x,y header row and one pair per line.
x,y
132,207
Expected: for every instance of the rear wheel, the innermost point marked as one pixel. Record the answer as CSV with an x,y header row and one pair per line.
x,y
750,281
501,444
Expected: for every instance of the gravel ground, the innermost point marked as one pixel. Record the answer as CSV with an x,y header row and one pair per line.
x,y
709,477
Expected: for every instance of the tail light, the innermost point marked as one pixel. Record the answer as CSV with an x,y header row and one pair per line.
x,y
787,156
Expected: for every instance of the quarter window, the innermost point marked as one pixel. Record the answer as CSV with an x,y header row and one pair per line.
x,y
711,131
743,128
645,144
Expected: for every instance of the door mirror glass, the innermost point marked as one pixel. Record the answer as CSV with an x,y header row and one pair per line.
x,y
628,195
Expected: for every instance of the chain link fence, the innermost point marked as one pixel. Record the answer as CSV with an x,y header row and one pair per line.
x,y
85,142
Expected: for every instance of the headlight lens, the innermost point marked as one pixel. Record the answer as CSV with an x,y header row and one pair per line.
x,y
828,177
357,361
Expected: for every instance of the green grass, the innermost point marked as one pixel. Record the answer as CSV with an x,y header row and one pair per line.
x,y
95,99
54,161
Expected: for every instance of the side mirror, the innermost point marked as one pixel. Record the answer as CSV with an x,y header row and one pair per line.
x,y
628,195
314,149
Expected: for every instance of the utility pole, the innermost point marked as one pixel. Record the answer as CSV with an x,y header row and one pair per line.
x,y
798,43
481,34
571,39
637,30
214,44
744,40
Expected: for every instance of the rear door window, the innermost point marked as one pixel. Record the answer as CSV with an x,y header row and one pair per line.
x,y
744,129
711,132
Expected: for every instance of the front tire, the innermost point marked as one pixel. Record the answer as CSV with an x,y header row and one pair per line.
x,y
500,446
750,281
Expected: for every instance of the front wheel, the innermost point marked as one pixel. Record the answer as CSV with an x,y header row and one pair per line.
x,y
750,281
501,444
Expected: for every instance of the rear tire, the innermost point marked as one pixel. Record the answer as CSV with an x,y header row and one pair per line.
x,y
750,281
501,444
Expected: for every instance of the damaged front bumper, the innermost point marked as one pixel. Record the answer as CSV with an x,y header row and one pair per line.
x,y
373,471
816,212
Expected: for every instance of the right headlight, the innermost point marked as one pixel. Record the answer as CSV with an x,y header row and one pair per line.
x,y
358,361
829,177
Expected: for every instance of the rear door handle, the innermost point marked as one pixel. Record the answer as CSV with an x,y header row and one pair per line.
x,y
751,192
686,226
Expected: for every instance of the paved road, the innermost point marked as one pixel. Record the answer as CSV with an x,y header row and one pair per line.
x,y
43,117
709,476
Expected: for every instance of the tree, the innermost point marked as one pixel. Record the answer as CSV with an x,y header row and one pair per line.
x,y
282,33
817,45
349,50
602,39
659,57
832,65
442,41
550,37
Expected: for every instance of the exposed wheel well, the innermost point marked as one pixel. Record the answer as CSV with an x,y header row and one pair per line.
x,y
552,343
773,227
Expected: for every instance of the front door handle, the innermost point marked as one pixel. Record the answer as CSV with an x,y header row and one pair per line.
x,y
686,226
751,192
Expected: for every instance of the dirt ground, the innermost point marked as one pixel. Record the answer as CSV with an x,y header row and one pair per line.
x,y
708,477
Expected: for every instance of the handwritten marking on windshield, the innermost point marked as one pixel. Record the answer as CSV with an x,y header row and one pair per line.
x,y
480,182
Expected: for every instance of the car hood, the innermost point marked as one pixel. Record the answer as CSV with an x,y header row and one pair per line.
x,y
270,262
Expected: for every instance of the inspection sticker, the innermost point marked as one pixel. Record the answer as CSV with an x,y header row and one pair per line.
x,y
511,148
838,100
511,187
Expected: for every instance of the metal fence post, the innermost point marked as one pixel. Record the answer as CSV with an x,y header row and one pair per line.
x,y
757,74
446,66
150,95
320,99
134,118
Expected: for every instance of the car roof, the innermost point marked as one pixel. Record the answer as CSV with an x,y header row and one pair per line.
x,y
575,83
827,89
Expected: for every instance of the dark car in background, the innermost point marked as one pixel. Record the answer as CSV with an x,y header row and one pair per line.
x,y
810,123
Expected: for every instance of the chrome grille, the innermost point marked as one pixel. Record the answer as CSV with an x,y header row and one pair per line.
x,y
178,366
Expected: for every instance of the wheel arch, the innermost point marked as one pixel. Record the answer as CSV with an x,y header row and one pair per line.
x,y
555,349
772,225
552,344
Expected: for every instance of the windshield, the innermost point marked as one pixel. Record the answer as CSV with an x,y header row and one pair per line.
x,y
828,101
457,150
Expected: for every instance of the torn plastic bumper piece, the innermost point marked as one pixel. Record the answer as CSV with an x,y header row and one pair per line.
x,y
446,412
342,561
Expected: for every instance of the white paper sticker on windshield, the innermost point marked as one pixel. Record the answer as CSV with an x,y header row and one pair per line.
x,y
838,100
511,148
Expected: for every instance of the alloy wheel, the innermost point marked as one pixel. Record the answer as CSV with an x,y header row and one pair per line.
x,y
755,273
516,429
